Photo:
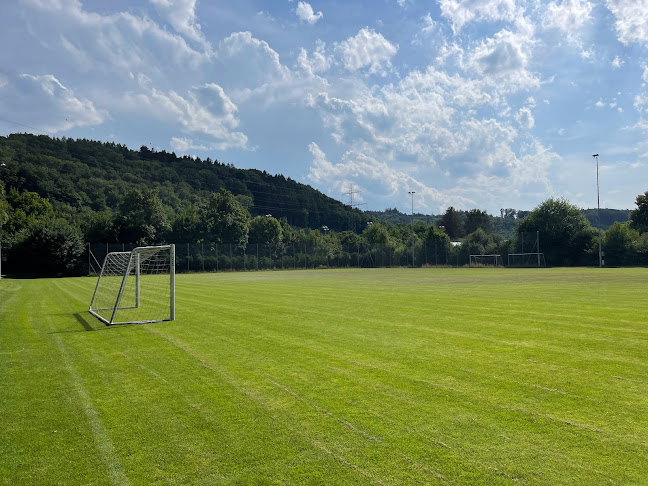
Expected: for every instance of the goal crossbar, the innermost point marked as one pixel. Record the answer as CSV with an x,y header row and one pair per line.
x,y
136,286
486,260
533,259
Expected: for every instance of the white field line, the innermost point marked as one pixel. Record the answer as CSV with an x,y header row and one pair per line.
x,y
99,434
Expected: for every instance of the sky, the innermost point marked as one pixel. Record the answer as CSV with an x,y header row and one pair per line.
x,y
482,104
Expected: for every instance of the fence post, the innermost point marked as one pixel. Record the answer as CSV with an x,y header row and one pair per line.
x,y
202,254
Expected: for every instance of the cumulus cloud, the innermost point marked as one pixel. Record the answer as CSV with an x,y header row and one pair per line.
x,y
617,62
114,44
305,13
185,145
317,62
252,61
569,15
505,58
203,110
368,49
357,165
631,20
461,12
45,103
524,117
181,14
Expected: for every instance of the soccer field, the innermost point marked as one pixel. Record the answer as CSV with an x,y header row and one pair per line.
x,y
374,376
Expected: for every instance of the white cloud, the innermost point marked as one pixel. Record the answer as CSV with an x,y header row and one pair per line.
x,y
505,58
568,16
631,20
185,145
599,103
181,14
641,102
114,44
252,61
45,103
356,165
204,110
524,117
318,62
617,62
461,12
367,49
305,13
644,76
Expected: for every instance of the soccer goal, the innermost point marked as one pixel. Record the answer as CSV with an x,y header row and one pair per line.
x,y
526,260
136,286
486,261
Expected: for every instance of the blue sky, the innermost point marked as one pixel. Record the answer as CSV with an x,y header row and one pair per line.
x,y
477,103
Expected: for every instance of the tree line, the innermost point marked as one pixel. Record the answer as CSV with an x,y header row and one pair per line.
x,y
56,195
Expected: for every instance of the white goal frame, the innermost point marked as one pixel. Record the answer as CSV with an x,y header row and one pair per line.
x,y
136,287
535,256
495,259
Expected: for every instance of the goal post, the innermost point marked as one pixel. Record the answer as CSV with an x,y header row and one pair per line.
x,y
486,260
136,286
531,259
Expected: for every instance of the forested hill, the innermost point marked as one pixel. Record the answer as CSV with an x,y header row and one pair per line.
x,y
83,175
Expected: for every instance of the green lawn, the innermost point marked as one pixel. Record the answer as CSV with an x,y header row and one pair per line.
x,y
377,376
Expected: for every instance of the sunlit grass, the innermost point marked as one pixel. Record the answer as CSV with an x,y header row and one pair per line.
x,y
386,376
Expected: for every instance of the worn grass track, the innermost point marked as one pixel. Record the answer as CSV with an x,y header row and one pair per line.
x,y
385,376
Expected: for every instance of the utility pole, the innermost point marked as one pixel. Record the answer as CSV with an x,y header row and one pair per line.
x,y
352,192
411,193
598,210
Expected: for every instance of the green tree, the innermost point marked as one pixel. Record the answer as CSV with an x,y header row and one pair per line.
x,y
437,244
619,244
476,219
565,234
452,221
265,230
4,206
478,243
142,219
377,234
51,247
99,226
226,221
25,210
639,217
188,225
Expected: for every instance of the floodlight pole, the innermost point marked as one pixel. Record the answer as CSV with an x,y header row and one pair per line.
x,y
411,193
598,211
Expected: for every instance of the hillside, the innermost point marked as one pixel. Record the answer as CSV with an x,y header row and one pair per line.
x,y
82,175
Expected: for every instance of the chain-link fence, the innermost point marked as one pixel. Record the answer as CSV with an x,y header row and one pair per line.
x,y
226,257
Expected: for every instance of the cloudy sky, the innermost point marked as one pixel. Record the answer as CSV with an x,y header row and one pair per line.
x,y
471,103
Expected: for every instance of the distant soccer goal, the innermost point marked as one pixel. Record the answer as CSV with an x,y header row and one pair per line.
x,y
526,260
486,261
136,286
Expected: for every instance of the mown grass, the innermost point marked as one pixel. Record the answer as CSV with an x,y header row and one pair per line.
x,y
385,376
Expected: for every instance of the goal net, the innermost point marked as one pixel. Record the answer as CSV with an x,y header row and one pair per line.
x,y
136,286
486,261
526,260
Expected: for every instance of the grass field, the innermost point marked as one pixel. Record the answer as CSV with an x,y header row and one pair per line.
x,y
377,376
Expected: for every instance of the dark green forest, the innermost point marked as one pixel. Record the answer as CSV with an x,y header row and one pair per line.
x,y
57,195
